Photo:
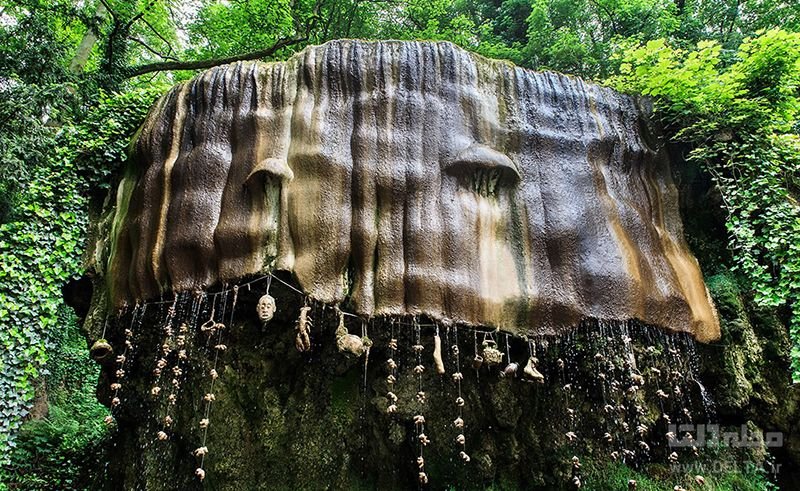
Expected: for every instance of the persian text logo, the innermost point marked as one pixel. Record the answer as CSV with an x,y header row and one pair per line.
x,y
691,435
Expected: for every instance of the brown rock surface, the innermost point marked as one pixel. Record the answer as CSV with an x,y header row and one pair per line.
x,y
410,178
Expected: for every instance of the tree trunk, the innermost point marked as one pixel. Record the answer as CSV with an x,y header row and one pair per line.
x,y
78,62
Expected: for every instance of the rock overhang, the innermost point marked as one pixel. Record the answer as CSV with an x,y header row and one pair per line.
x,y
410,178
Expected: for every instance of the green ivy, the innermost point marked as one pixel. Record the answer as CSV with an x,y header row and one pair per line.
x,y
742,120
41,247
64,447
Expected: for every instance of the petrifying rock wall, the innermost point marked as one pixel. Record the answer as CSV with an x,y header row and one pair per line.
x,y
424,189
410,178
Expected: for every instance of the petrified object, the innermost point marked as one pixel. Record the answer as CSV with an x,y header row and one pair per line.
x,y
491,355
101,351
347,343
530,371
510,370
265,308
488,193
302,339
437,354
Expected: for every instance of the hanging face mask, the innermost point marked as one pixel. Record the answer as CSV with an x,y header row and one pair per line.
x,y
265,308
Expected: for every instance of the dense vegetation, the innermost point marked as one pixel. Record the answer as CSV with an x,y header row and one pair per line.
x,y
76,79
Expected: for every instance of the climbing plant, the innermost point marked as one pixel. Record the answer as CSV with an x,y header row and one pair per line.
x,y
41,243
742,120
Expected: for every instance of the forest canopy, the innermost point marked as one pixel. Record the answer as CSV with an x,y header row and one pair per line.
x,y
77,78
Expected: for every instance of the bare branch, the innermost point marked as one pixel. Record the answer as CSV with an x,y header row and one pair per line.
x,y
160,36
150,49
140,14
202,64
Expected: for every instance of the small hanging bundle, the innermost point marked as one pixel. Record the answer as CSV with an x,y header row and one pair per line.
x,y
347,343
510,370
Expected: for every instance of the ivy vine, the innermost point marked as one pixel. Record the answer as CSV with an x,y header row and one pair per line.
x,y
741,117
42,240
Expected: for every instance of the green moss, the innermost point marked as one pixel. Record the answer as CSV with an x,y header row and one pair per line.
x,y
614,476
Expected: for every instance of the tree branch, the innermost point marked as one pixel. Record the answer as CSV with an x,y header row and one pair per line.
x,y
169,46
110,10
148,48
140,14
202,64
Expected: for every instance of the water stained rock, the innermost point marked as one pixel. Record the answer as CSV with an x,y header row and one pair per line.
x,y
500,244
409,178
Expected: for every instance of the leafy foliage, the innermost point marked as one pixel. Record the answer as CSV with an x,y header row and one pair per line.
x,y
40,249
64,447
742,120
611,476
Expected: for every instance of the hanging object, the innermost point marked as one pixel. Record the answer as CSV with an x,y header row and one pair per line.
x,y
101,351
491,355
510,370
437,353
419,419
458,422
347,343
265,308
302,340
391,378
531,373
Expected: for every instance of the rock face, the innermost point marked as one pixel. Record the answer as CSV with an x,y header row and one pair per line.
x,y
409,178
431,192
